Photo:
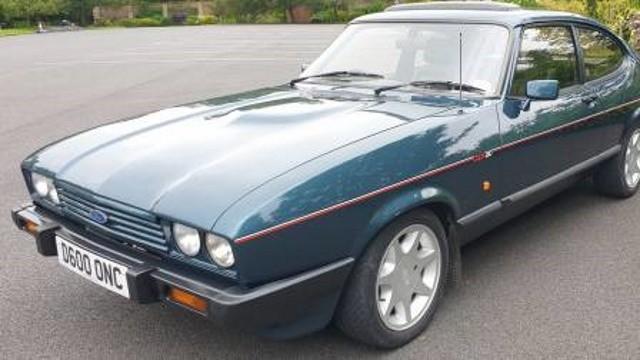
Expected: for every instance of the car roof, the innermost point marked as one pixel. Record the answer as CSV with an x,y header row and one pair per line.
x,y
470,12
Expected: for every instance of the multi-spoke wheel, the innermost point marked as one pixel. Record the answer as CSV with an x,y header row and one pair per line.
x,y
397,283
620,176
632,160
407,277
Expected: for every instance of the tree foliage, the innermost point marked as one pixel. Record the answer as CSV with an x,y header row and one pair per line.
x,y
614,13
29,9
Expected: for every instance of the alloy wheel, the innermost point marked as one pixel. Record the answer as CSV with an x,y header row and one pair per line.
x,y
632,160
408,277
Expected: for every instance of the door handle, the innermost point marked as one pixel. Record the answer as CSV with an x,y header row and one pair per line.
x,y
589,100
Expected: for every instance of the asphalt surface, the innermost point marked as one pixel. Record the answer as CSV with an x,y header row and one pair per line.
x,y
562,281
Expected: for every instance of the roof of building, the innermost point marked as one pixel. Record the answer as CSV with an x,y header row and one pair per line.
x,y
469,12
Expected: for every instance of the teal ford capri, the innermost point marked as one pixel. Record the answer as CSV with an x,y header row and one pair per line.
x,y
346,194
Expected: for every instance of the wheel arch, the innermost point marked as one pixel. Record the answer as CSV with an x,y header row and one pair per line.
x,y
436,199
443,204
633,121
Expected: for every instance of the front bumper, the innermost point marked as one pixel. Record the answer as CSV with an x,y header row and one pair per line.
x,y
282,309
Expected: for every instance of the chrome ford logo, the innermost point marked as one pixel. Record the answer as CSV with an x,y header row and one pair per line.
x,y
98,216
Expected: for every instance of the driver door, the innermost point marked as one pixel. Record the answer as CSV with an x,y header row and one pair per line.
x,y
538,139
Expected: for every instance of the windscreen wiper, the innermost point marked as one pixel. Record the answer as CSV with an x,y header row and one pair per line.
x,y
336,73
428,84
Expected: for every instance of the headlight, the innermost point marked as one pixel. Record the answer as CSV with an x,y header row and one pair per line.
x,y
44,188
40,184
220,250
187,238
53,195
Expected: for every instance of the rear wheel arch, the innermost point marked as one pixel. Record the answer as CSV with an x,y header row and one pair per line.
x,y
613,177
632,122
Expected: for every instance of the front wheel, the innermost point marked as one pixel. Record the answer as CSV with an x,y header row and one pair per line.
x,y
398,283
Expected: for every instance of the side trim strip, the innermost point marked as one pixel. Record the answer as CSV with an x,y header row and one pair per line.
x,y
574,170
430,173
533,189
480,213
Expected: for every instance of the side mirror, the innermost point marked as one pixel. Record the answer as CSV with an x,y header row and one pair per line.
x,y
540,90
303,68
543,89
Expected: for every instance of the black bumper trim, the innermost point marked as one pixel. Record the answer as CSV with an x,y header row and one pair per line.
x,y
45,233
267,306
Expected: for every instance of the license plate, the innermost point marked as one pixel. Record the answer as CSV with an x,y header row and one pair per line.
x,y
99,270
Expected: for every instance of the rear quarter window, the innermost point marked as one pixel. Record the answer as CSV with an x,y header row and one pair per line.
x,y
601,53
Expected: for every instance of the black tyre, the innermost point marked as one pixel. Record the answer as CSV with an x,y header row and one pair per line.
x,y
620,176
396,286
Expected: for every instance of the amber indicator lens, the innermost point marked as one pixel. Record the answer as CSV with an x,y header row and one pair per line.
x,y
187,299
31,227
486,186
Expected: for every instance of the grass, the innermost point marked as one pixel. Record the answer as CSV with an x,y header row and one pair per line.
x,y
14,32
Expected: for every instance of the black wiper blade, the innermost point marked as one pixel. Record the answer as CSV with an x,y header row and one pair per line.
x,y
425,84
336,73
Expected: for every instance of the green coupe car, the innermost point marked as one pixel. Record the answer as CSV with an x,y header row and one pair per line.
x,y
346,194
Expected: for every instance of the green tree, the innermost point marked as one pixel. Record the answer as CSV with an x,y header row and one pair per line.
x,y
31,10
246,10
80,11
284,7
592,8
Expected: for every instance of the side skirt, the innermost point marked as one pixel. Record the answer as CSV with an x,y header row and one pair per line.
x,y
516,203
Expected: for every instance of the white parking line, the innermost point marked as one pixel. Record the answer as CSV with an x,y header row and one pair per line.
x,y
168,61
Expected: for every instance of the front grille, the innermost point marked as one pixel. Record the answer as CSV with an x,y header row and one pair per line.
x,y
124,222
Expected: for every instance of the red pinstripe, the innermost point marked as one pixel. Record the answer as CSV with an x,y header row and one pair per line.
x,y
430,173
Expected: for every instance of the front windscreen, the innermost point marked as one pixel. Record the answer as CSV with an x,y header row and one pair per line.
x,y
408,52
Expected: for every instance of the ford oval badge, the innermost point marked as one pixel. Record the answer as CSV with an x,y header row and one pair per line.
x,y
98,216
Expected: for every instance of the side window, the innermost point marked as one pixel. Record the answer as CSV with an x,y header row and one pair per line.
x,y
546,53
601,54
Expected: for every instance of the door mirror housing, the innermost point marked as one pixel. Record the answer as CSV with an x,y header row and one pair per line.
x,y
543,89
303,68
